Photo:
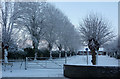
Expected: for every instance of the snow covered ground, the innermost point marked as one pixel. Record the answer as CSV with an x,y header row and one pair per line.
x,y
102,60
33,71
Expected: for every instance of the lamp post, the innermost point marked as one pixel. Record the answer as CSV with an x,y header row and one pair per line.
x,y
87,54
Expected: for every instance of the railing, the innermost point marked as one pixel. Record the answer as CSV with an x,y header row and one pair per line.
x,y
14,63
44,62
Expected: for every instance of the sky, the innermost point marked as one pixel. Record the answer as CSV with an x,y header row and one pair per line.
x,y
76,11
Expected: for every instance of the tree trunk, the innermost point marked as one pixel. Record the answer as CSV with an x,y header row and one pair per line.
x,y
60,50
50,54
2,50
35,47
70,53
93,57
66,54
5,52
50,50
35,58
5,56
65,57
60,54
93,46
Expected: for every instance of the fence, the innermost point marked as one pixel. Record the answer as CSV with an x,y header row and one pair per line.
x,y
44,63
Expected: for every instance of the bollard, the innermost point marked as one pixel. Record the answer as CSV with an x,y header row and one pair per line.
x,y
87,56
26,63
65,57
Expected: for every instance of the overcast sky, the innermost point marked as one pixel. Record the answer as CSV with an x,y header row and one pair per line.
x,y
78,10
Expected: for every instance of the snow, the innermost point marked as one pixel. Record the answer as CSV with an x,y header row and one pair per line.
x,y
34,73
19,71
102,60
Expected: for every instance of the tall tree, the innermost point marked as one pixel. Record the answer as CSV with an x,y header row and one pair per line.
x,y
112,48
74,41
60,31
95,31
8,21
9,16
33,18
54,23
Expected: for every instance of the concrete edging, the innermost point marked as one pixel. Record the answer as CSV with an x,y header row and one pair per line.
x,y
72,71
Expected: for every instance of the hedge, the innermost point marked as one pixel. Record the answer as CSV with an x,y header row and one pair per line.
x,y
29,52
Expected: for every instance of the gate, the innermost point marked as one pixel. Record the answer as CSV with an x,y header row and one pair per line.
x,y
44,63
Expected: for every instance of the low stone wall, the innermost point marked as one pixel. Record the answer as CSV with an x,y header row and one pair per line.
x,y
72,71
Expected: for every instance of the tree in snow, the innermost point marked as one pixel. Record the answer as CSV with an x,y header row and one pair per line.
x,y
22,38
33,18
112,48
9,16
53,22
95,31
60,32
74,41
66,37
56,21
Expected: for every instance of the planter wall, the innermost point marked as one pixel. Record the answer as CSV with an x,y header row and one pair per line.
x,y
72,71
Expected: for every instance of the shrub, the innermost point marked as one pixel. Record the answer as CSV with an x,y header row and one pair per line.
x,y
44,52
63,54
55,54
41,53
16,55
30,52
118,56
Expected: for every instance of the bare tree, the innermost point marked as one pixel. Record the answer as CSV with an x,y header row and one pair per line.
x,y
95,31
33,18
60,31
112,48
54,26
74,41
52,19
22,37
66,37
9,16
